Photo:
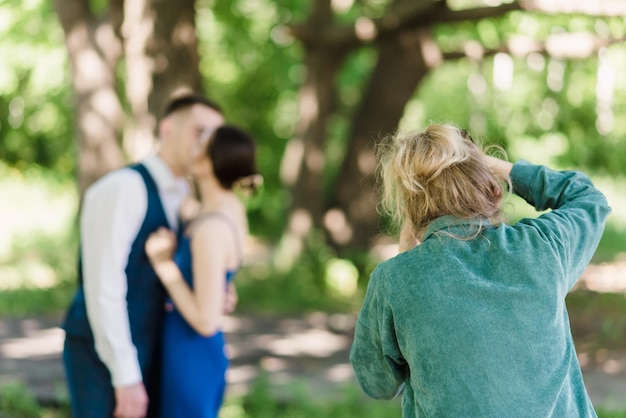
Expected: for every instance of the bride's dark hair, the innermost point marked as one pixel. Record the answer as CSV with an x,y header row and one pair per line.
x,y
232,152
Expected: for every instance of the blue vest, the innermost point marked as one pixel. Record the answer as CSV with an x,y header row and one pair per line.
x,y
145,297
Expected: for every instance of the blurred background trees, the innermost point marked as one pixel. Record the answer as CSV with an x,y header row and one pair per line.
x,y
319,83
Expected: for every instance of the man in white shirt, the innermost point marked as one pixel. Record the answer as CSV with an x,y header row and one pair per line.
x,y
113,327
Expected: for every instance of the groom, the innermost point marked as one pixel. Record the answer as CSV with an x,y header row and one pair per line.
x,y
113,326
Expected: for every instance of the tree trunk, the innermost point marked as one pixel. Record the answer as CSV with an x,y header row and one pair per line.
x,y
304,160
93,50
161,51
162,59
174,51
353,220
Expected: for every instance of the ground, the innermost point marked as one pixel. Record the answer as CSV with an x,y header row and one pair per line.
x,y
312,350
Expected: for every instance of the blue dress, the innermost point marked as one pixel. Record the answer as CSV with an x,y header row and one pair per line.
x,y
194,367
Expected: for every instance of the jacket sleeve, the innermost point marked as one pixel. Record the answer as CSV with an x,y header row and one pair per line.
x,y
375,356
575,223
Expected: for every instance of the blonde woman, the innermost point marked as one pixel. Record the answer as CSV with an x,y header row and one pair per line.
x,y
470,319
196,268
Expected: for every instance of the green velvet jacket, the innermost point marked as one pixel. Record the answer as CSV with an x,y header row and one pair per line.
x,y
479,327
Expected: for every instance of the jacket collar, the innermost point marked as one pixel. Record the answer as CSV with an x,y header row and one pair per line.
x,y
161,173
456,226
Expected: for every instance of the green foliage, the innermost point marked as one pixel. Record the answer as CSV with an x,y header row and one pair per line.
x,y
262,402
35,126
39,243
27,301
253,69
612,244
598,320
549,107
17,402
603,413
314,280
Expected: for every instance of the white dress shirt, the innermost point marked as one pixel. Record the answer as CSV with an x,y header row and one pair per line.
x,y
113,211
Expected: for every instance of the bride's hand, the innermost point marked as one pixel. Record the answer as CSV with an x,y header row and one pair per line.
x,y
160,246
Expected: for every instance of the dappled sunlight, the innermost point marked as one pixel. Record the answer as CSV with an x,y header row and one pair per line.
x,y
430,49
365,29
240,377
610,362
39,343
27,274
287,349
341,6
503,70
571,45
605,86
556,73
384,248
291,161
36,215
337,224
366,161
606,7
91,68
340,373
184,34
605,277
309,105
474,50
315,161
342,277
315,343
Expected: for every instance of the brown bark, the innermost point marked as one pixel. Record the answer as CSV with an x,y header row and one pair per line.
x,y
406,53
403,15
571,46
162,59
304,160
93,50
174,51
138,30
400,67
161,51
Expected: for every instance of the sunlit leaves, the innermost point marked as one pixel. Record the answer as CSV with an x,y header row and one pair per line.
x,y
34,121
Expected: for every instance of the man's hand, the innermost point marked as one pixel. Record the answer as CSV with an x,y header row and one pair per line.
x,y
131,401
231,299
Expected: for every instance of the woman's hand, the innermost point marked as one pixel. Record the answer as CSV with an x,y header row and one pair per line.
x,y
160,247
500,168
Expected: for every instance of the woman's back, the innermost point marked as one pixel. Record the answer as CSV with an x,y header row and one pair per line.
x,y
483,325
475,324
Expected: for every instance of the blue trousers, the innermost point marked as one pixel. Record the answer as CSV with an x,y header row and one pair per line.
x,y
89,381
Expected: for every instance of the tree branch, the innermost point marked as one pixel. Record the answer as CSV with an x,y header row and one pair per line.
x,y
364,29
428,13
565,46
596,8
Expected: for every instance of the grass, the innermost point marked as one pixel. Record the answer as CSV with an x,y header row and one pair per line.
x,y
598,320
260,402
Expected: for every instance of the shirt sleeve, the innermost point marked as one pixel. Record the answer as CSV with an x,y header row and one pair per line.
x,y
375,356
578,213
112,213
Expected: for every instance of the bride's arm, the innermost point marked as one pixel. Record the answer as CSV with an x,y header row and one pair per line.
x,y
202,306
